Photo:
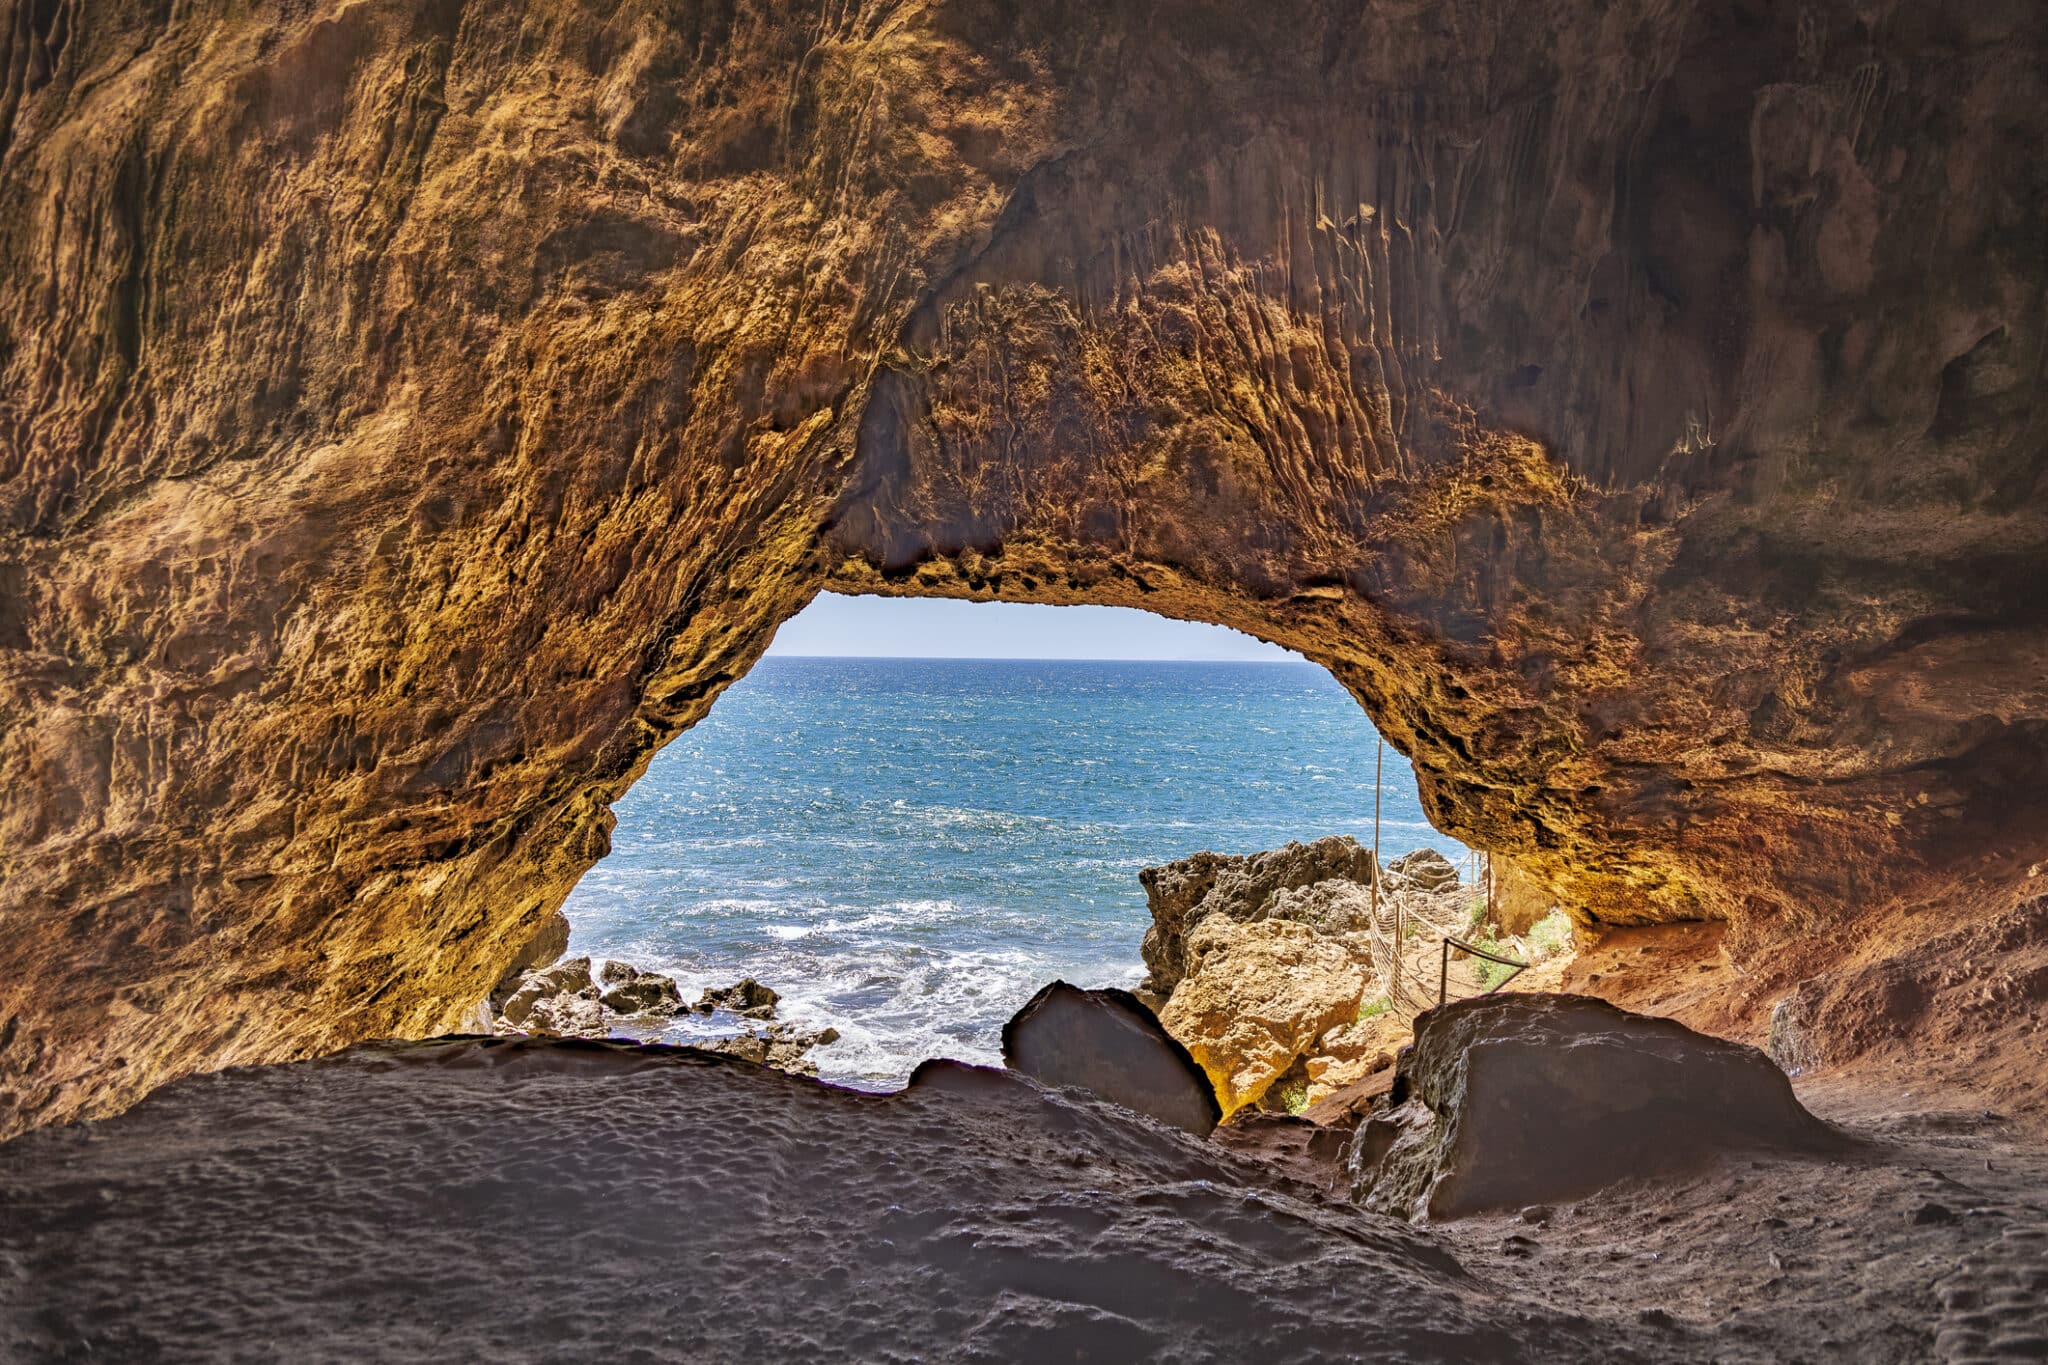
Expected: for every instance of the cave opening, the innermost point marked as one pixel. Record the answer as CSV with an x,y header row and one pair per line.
x,y
912,813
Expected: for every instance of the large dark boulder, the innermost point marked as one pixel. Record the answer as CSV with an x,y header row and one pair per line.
x,y
1509,1100
1107,1043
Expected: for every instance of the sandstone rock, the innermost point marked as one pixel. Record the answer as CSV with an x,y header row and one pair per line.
x,y
1255,997
1351,1104
1351,1052
1519,899
1294,1146
1181,895
571,978
747,998
1511,1100
547,945
1660,469
629,990
1108,1043
1426,870
1335,906
568,1016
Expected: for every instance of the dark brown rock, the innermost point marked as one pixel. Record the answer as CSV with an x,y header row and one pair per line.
x,y
1107,1043
1509,1100
747,998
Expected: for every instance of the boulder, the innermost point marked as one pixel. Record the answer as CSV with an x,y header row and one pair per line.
x,y
747,998
1334,906
1509,1100
564,978
1426,870
568,1016
1181,895
1109,1044
1256,997
1351,1052
629,990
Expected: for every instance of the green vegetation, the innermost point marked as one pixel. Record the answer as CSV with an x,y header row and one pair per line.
x,y
1492,973
1372,1009
1549,936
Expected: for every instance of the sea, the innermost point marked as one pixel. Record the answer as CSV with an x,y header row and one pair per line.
x,y
907,849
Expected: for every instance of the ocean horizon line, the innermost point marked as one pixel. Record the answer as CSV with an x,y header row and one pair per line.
x,y
1028,659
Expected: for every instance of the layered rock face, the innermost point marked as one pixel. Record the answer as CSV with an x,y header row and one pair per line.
x,y
411,415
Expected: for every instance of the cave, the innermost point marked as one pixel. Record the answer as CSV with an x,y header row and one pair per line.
x,y
413,416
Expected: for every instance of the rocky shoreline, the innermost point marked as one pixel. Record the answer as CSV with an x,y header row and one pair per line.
x,y
1289,976
581,997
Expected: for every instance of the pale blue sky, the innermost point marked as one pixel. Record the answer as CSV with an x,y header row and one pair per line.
x,y
939,628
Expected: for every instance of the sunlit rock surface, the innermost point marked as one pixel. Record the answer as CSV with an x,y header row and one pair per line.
x,y
411,415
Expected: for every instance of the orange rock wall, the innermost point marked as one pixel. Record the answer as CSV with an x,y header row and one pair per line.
x,y
414,414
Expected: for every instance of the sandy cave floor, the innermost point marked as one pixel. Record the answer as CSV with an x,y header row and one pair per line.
x,y
523,1200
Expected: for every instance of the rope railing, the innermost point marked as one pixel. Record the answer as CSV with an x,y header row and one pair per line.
x,y
1443,971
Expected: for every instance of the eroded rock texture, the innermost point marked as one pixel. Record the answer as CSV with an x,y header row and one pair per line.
x,y
413,414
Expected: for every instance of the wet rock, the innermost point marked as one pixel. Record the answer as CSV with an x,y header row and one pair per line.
x,y
1426,870
629,990
1256,997
1181,895
747,998
1108,1043
1506,1101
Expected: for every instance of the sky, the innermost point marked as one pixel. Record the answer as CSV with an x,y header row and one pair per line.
x,y
937,628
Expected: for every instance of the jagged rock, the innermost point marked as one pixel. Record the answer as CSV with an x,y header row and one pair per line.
x,y
1108,1043
568,1016
1426,870
1351,1052
629,990
564,978
1255,998
1335,906
747,998
1509,1100
1180,895
783,1047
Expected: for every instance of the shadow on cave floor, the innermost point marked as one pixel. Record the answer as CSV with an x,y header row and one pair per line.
x,y
527,1200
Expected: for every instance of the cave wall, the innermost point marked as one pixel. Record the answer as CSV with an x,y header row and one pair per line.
x,y
413,414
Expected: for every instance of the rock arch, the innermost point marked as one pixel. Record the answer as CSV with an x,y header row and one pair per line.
x,y
415,414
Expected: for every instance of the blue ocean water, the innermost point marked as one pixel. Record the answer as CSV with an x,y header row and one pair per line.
x,y
908,849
